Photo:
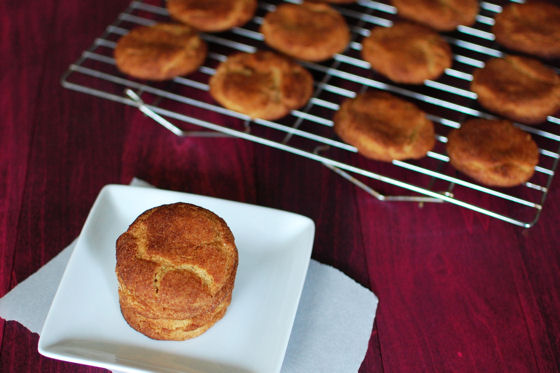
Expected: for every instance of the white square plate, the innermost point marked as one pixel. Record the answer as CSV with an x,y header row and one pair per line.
x,y
85,325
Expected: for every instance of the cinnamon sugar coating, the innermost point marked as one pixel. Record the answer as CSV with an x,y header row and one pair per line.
x,y
493,152
532,28
176,267
518,88
384,127
160,52
407,52
441,15
212,15
307,31
262,85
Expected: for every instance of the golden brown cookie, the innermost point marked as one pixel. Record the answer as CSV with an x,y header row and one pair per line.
x,y
307,31
147,307
442,15
494,152
519,88
384,127
261,85
212,15
160,52
173,329
532,28
407,52
176,267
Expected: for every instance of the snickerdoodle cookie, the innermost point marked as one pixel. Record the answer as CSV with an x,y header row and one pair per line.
x,y
307,31
160,52
442,15
262,85
212,15
532,28
384,127
493,152
176,268
407,52
519,88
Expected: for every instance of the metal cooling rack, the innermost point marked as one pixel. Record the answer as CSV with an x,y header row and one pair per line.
x,y
183,105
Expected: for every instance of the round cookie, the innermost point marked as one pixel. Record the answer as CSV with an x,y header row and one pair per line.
x,y
307,31
160,52
493,152
407,52
518,88
176,266
532,28
262,85
384,127
212,15
440,15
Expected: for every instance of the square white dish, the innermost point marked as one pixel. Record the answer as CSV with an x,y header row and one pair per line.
x,y
84,324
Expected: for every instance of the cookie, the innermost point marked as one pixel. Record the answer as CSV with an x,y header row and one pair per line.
x,y
262,85
439,15
384,127
493,152
307,31
172,329
212,15
176,267
160,52
518,88
407,52
532,28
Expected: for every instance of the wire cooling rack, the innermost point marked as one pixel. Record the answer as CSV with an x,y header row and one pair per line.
x,y
183,106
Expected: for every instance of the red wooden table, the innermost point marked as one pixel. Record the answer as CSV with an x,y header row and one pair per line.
x,y
458,291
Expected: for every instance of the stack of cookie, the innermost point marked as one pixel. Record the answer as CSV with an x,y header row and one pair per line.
x,y
176,267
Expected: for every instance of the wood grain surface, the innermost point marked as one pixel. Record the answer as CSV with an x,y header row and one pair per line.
x,y
458,291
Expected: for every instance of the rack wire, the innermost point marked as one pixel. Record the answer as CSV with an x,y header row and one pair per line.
x,y
183,106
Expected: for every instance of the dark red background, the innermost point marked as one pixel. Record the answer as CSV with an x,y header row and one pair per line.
x,y
458,291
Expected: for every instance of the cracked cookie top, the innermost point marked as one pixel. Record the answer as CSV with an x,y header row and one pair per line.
x,y
176,261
